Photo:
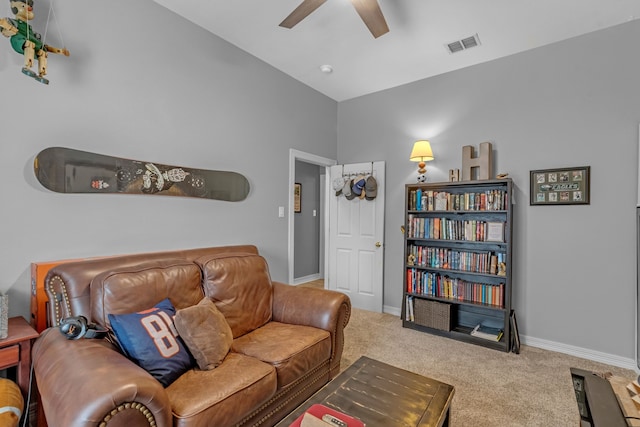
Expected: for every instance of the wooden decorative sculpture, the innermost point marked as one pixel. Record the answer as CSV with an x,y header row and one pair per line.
x,y
483,162
27,42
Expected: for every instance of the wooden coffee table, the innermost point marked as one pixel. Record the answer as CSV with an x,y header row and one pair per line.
x,y
383,395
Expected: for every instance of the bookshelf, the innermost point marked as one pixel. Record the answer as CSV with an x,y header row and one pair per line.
x,y
457,260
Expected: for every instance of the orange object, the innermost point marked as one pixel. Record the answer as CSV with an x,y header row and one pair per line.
x,y
39,299
11,403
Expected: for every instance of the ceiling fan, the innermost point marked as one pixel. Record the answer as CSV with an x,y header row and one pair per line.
x,y
369,11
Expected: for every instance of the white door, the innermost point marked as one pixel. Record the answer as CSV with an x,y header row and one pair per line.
x,y
356,248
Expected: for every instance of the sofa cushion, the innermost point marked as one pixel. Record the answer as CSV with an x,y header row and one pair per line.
x,y
136,288
222,396
240,286
294,350
206,333
149,338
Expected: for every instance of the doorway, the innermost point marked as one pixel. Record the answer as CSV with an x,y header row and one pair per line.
x,y
323,163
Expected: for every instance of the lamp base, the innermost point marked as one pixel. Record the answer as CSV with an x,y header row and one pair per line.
x,y
421,168
421,172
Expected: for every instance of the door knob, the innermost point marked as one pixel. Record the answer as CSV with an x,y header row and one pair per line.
x,y
378,244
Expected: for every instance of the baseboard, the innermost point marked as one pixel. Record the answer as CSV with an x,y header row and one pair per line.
x,y
584,353
391,310
305,279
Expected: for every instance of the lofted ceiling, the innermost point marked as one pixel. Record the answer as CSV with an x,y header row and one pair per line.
x,y
415,46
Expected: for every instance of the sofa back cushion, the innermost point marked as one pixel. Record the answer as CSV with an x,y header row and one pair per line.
x,y
68,285
135,288
240,286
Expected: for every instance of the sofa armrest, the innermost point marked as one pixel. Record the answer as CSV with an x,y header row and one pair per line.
x,y
87,382
320,308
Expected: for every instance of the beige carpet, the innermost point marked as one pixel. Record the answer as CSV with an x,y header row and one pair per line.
x,y
492,388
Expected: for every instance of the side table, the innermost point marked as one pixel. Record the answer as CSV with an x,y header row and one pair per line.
x,y
15,350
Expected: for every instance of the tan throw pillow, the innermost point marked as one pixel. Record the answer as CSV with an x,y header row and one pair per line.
x,y
206,333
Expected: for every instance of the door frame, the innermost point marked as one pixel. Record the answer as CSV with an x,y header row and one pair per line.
x,y
316,160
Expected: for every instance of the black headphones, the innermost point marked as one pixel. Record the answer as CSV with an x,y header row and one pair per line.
x,y
78,327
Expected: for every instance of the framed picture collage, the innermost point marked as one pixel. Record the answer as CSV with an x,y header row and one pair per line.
x,y
566,186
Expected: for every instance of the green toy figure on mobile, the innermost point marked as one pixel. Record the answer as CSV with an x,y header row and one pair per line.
x,y
27,42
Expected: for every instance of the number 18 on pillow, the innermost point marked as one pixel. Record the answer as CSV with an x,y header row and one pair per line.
x,y
150,339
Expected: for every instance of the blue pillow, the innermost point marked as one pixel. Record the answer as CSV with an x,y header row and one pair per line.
x,y
150,339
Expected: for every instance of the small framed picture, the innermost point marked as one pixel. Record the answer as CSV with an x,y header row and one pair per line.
x,y
564,186
297,197
495,232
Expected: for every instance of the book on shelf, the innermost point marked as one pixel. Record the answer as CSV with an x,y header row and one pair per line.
x,y
487,332
441,202
319,415
408,312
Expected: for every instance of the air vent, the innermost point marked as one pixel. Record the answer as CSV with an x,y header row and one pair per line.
x,y
463,44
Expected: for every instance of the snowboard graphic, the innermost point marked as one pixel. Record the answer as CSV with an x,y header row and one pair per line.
x,y
65,170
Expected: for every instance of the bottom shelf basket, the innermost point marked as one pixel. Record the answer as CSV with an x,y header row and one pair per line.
x,y
432,314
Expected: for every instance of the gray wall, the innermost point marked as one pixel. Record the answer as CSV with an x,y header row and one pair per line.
x,y
143,83
573,103
306,225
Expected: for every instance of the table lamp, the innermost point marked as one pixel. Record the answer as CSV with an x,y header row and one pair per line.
x,y
421,153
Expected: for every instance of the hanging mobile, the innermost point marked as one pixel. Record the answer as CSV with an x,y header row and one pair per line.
x,y
27,42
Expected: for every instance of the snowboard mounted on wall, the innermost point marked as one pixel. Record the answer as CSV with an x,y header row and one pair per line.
x,y
65,170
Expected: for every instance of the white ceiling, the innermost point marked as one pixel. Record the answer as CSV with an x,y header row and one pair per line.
x,y
414,48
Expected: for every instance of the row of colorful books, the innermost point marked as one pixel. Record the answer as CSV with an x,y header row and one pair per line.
x,y
452,259
426,283
451,229
429,200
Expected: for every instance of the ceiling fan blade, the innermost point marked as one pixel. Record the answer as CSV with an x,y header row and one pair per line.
x,y
301,12
369,11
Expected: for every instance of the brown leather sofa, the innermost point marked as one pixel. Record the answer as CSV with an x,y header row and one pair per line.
x,y
287,342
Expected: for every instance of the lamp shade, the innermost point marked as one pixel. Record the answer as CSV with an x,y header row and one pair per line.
x,y
421,152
